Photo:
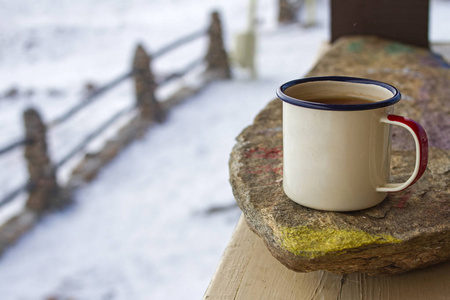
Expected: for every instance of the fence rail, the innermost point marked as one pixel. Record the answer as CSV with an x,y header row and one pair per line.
x,y
176,44
89,100
90,137
13,146
42,184
14,193
180,73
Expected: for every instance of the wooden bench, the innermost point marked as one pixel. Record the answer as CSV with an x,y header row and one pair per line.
x,y
247,269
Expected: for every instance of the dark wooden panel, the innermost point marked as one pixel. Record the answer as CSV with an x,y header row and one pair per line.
x,y
402,20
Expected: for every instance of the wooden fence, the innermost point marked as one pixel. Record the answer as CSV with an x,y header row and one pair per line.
x,y
44,193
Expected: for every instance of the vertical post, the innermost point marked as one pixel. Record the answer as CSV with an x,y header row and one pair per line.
x,y
145,86
310,6
286,12
405,21
216,56
252,15
43,188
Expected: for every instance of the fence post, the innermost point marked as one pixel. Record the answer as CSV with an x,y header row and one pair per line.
x,y
285,12
145,86
288,10
43,188
216,56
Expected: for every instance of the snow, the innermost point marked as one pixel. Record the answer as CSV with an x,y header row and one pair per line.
x,y
141,229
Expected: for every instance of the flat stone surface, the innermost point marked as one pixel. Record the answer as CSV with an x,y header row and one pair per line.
x,y
408,230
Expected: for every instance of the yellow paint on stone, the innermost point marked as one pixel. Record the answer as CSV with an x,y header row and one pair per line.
x,y
313,242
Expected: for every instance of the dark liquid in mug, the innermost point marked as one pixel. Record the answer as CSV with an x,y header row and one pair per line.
x,y
341,100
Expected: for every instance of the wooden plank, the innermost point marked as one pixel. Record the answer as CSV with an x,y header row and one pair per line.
x,y
228,276
247,270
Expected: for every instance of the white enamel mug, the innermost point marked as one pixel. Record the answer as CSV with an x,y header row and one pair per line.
x,y
336,157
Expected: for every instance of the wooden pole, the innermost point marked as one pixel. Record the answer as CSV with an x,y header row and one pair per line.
x,y
43,188
216,56
286,12
405,21
252,16
310,6
145,86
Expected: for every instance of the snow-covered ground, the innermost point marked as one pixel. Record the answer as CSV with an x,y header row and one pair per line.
x,y
140,230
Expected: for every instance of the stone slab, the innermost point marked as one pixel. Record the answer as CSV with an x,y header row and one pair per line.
x,y
408,230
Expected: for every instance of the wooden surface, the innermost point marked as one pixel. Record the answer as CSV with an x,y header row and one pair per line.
x,y
410,229
405,21
248,271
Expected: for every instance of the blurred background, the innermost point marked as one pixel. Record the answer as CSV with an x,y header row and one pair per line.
x,y
155,221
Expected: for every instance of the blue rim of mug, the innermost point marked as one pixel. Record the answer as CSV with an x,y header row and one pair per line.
x,y
341,107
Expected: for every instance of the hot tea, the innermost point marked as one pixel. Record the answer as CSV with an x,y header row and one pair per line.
x,y
341,100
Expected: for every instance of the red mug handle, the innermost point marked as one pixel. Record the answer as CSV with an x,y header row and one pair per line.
x,y
421,141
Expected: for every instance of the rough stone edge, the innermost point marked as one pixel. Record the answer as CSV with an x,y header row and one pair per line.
x,y
397,259
396,250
